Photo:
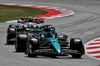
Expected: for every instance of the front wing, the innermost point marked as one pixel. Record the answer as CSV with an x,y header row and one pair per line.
x,y
51,51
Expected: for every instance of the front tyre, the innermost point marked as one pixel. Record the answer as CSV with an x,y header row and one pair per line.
x,y
81,51
76,56
76,44
30,51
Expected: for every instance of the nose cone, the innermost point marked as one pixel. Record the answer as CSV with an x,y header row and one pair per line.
x,y
55,44
59,52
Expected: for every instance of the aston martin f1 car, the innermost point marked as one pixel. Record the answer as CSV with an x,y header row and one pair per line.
x,y
23,25
46,41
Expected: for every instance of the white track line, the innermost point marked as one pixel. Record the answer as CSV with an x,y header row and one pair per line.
x,y
92,45
92,50
98,54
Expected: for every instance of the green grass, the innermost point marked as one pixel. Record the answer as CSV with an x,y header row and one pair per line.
x,y
14,12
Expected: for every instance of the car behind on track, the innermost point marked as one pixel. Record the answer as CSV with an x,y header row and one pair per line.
x,y
21,27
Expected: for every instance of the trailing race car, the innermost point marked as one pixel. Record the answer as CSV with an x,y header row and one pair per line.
x,y
23,25
49,42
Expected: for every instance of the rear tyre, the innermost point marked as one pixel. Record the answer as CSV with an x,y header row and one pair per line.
x,y
10,42
17,48
7,41
19,44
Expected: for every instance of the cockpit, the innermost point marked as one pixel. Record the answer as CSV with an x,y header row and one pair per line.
x,y
48,35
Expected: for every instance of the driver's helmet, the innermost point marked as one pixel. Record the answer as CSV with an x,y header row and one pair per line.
x,y
30,19
48,28
49,34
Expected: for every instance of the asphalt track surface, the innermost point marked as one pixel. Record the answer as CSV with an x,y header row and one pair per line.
x,y
85,23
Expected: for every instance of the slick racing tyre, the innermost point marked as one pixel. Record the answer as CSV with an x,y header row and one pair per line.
x,y
11,31
30,51
17,47
8,42
20,42
32,45
76,44
10,39
76,56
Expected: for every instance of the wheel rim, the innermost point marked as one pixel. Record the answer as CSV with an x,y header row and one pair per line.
x,y
29,49
16,44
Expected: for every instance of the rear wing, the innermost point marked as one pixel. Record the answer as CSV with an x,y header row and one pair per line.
x,y
34,20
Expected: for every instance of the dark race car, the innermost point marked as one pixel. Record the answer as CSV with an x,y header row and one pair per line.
x,y
46,41
23,25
